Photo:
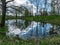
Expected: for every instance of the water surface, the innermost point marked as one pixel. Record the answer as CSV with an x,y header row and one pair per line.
x,y
29,29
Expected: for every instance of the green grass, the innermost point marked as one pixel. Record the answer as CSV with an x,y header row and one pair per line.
x,y
51,19
54,19
3,29
5,40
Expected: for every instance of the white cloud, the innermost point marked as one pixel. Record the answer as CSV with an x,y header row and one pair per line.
x,y
19,2
29,5
23,2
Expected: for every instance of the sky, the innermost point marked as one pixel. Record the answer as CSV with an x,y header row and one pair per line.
x,y
23,2
28,4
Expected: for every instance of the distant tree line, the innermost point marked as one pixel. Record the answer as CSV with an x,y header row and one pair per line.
x,y
17,10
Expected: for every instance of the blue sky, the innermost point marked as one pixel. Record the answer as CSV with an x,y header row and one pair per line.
x,y
42,4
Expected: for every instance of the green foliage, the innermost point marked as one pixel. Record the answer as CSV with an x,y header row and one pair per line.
x,y
54,19
3,29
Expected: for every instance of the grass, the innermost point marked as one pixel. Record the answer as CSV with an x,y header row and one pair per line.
x,y
55,40
3,29
54,19
51,19
5,40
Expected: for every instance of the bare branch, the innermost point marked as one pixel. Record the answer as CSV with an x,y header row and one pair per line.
x,y
9,1
14,8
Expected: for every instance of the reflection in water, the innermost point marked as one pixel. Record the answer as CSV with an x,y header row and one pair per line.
x,y
28,29
27,23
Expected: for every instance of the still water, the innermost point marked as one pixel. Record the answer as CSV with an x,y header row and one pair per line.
x,y
29,29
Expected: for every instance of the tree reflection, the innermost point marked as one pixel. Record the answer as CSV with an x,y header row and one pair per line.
x,y
27,23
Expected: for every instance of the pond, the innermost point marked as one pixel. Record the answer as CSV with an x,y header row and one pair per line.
x,y
31,29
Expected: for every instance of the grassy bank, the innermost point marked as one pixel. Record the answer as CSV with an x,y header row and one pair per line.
x,y
51,19
3,29
54,19
4,40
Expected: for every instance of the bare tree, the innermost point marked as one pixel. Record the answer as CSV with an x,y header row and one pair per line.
x,y
45,12
37,4
57,7
31,7
4,4
54,7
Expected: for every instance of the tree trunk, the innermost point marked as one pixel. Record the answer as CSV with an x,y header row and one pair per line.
x,y
57,7
3,13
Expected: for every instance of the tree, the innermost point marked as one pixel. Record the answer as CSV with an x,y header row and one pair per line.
x,y
45,12
4,4
26,12
31,7
54,7
37,5
57,7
